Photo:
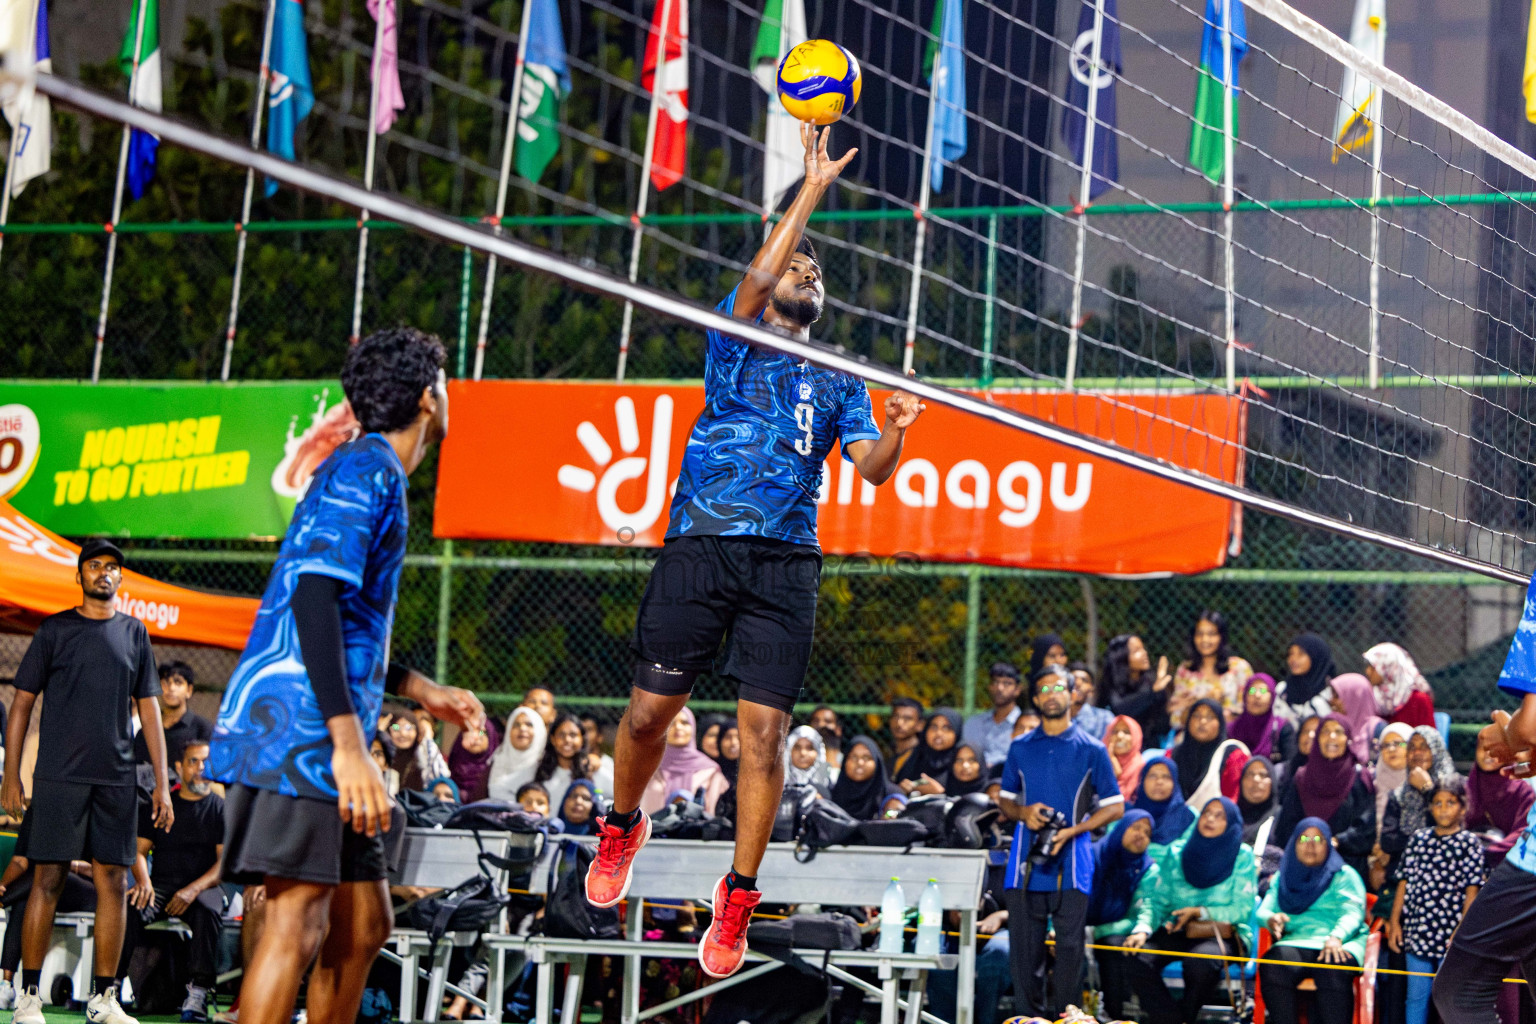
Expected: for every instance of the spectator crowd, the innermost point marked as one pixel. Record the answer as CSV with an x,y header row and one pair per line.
x,y
1162,811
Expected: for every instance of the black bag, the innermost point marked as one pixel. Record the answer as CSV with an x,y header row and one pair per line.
x,y
892,832
933,812
807,931
423,810
567,914
496,816
824,824
468,907
681,820
793,804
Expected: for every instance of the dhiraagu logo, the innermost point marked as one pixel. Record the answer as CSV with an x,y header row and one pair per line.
x,y
20,438
611,473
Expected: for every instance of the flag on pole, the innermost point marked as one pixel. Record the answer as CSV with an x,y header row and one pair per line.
x,y
945,67
390,98
31,116
290,96
1207,134
781,30
144,92
669,152
1101,80
1359,98
546,81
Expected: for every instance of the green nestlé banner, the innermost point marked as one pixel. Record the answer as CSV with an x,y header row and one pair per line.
x,y
164,459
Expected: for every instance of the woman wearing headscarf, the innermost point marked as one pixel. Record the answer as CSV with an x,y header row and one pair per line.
x,y
730,750
1257,727
1316,912
518,756
1391,772
1256,801
1354,701
1128,686
1497,805
578,811
968,773
1402,692
805,761
1158,795
861,789
1124,743
469,759
1207,756
1046,649
685,771
1332,786
1309,668
1306,739
1124,876
924,771
1429,765
1203,903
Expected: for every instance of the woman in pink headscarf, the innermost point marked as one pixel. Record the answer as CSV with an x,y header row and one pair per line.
x,y
1402,692
685,771
1353,699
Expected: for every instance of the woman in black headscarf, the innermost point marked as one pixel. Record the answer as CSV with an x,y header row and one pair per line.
x,y
1206,731
925,770
729,745
1046,649
968,773
1309,670
861,789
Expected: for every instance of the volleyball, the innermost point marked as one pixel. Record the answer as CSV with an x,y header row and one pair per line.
x,y
819,81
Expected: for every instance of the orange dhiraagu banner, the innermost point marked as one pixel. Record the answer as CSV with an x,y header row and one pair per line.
x,y
37,578
594,463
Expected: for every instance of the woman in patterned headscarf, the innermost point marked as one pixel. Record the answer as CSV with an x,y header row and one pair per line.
x,y
1402,692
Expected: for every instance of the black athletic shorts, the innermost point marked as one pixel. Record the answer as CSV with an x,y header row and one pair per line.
x,y
756,594
80,821
1501,923
295,837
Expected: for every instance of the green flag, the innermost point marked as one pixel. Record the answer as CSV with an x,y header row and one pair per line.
x,y
1207,135
935,33
782,28
546,81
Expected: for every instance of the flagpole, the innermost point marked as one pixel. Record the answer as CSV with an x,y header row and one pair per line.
x,y
769,199
263,77
1375,358
117,200
925,193
373,141
1085,189
1228,114
645,182
502,182
15,145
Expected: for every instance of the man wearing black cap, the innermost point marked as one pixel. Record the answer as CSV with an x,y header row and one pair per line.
x,y
989,732
93,662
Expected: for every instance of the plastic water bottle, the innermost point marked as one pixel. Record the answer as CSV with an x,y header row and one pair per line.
x,y
930,919
893,916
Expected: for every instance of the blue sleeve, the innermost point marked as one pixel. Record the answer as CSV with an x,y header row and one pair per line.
x,y
339,521
857,420
723,346
1013,775
1519,675
1105,786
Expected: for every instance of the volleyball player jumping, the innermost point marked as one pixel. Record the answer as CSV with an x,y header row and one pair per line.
x,y
740,562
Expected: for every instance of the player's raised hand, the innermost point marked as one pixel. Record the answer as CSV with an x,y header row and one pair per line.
x,y
820,169
903,409
446,703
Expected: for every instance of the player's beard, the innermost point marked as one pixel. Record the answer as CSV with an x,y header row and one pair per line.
x,y
803,311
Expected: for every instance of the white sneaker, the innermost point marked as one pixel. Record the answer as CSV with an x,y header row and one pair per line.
x,y
7,995
29,1008
104,1008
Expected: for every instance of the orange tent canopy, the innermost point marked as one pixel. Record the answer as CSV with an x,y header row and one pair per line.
x,y
37,578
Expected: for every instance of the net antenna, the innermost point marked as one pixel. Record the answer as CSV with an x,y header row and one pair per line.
x,y
528,257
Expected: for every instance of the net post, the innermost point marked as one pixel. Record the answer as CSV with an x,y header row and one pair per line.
x,y
1085,188
972,635
117,202
1374,367
464,274
1229,126
263,78
989,314
444,608
502,181
924,195
368,161
645,182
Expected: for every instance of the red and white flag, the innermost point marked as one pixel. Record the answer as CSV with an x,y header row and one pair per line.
x,y
669,151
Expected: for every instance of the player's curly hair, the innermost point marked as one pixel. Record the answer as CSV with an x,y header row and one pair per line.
x,y
386,373
806,248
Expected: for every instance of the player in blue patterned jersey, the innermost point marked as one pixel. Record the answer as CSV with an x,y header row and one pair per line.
x,y
306,808
741,563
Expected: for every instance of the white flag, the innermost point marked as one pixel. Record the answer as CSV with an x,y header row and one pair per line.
x,y
782,29
1359,98
30,115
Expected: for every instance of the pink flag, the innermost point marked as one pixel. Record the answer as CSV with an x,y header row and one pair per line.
x,y
386,66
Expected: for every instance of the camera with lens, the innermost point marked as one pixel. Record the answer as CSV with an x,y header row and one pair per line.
x,y
1040,849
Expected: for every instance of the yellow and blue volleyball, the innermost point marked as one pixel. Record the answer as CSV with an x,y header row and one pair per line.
x,y
819,81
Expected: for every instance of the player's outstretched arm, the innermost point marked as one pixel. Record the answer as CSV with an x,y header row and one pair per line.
x,y
877,460
1512,739
446,703
773,258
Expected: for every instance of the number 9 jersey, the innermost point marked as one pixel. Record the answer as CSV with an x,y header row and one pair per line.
x,y
753,464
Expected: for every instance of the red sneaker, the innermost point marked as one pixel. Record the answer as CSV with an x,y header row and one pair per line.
x,y
724,946
608,876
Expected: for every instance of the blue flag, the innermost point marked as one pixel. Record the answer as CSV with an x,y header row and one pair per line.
x,y
1083,76
290,95
947,76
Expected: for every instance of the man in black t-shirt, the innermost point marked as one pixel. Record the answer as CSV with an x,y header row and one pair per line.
x,y
92,662
182,725
183,880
